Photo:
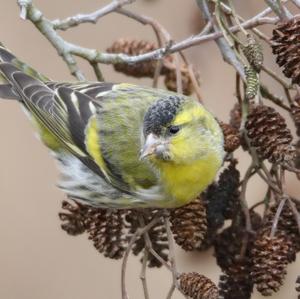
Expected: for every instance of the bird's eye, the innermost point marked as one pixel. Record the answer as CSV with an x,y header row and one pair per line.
x,y
174,129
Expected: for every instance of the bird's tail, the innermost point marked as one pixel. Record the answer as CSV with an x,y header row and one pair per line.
x,y
6,89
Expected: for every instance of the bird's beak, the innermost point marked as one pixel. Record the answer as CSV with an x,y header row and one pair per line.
x,y
149,148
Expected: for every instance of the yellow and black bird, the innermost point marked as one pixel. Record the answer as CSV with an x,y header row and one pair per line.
x,y
119,145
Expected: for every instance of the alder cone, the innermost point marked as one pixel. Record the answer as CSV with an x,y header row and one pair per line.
x,y
106,230
269,134
189,225
198,286
270,256
231,137
236,285
74,217
286,47
134,47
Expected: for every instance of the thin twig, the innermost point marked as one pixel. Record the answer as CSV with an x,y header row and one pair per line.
x,y
149,246
91,17
159,30
227,53
195,83
276,77
139,232
171,251
178,74
243,201
279,9
171,291
97,71
236,18
124,263
273,98
143,273
277,216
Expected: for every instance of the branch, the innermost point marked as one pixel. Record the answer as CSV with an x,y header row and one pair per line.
x,y
227,53
46,28
67,50
280,10
143,273
91,17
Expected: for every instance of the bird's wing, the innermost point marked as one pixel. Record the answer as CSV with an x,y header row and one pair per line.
x,y
62,113
99,123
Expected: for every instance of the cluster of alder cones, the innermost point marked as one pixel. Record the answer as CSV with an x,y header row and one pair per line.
x,y
256,257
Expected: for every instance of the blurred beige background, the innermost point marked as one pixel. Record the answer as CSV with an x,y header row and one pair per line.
x,y
37,259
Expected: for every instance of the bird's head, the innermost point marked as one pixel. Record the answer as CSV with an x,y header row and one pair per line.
x,y
180,130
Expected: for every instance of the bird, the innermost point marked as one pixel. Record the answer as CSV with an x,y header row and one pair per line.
x,y
121,145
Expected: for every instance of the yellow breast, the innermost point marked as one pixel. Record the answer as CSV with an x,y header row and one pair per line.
x,y
183,183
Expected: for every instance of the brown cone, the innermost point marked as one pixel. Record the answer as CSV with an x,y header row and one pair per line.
x,y
189,225
74,219
222,199
237,285
269,134
228,247
106,230
270,258
104,227
235,260
198,286
285,45
231,137
134,47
